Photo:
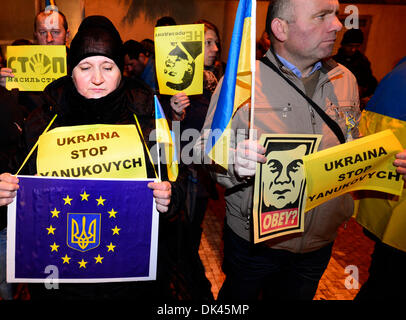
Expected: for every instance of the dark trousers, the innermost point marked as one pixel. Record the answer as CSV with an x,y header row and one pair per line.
x,y
387,275
256,272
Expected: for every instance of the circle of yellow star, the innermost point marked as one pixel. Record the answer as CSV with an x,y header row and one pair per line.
x,y
54,247
115,230
111,247
51,229
99,259
55,213
112,213
84,196
66,259
67,200
82,264
100,201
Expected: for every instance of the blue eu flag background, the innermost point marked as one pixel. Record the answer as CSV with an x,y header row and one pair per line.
x,y
91,230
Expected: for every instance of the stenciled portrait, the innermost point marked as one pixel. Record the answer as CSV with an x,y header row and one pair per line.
x,y
180,66
280,185
179,58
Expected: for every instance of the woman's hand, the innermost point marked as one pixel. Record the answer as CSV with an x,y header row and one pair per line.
x,y
179,102
8,188
162,195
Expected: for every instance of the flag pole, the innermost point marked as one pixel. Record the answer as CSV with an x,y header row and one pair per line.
x,y
159,160
156,138
253,64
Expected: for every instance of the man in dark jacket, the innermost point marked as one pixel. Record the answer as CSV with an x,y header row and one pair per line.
x,y
350,56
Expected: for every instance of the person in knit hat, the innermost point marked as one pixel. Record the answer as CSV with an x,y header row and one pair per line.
x,y
94,92
96,36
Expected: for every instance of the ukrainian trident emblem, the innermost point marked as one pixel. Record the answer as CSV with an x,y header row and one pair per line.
x,y
83,231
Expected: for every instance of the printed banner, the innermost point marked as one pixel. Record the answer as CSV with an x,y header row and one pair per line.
x,y
179,58
280,185
35,67
93,151
82,230
363,164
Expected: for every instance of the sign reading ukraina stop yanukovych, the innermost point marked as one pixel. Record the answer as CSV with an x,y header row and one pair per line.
x,y
179,52
92,151
35,66
81,230
363,164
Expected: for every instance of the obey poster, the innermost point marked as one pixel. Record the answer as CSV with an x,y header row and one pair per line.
x,y
280,185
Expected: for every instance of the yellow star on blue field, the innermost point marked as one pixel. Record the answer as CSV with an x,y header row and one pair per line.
x,y
54,247
55,213
100,201
112,213
115,230
111,247
67,200
99,259
51,229
84,196
66,259
82,264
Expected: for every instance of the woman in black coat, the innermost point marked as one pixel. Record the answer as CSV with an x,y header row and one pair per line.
x,y
95,92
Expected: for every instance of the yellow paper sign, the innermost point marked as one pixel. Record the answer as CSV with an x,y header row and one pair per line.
x,y
363,164
179,58
280,186
93,151
35,67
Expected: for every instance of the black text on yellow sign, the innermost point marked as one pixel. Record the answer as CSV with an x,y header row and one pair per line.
x,y
363,164
34,67
97,151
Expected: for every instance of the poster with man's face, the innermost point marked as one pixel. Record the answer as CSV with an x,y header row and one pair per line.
x,y
179,52
280,185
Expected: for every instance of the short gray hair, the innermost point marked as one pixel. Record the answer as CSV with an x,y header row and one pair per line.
x,y
277,9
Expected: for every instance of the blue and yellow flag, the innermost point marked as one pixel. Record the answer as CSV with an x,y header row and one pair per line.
x,y
167,138
87,230
49,3
385,215
237,82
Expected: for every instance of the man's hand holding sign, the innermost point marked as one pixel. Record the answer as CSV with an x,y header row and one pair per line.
x,y
400,164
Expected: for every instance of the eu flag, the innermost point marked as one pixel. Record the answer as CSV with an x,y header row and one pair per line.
x,y
89,230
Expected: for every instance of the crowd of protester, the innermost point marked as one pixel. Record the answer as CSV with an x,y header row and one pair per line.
x,y
289,268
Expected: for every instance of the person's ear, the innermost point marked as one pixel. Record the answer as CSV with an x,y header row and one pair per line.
x,y
67,36
279,29
142,58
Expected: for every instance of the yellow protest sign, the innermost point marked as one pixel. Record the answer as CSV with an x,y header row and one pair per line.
x,y
93,151
35,67
363,164
179,58
280,186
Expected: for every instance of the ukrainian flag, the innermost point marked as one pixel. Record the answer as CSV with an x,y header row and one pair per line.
x,y
385,215
166,137
237,82
49,3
